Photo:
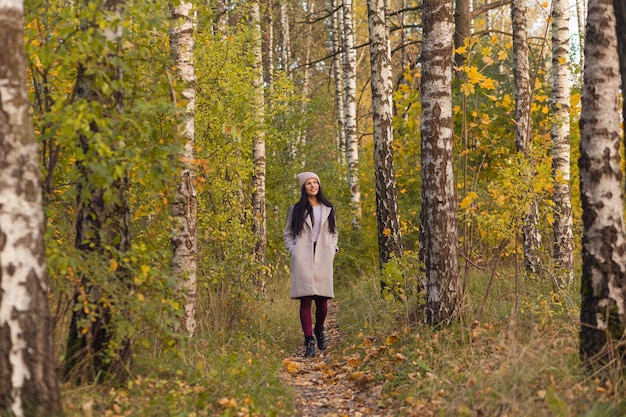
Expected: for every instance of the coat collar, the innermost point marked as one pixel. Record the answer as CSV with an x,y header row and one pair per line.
x,y
325,214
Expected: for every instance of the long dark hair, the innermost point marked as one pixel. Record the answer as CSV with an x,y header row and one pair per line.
x,y
303,208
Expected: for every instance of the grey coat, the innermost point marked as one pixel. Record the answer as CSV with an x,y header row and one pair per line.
x,y
311,272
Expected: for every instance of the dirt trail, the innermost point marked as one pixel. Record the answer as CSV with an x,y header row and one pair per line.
x,y
324,383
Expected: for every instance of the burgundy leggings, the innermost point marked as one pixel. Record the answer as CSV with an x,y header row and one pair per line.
x,y
321,309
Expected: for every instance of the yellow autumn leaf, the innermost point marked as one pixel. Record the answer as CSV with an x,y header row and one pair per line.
x,y
460,50
145,269
502,55
488,84
493,40
113,264
508,45
228,403
473,75
486,51
488,60
506,100
354,361
468,89
392,339
387,231
469,199
563,60
290,365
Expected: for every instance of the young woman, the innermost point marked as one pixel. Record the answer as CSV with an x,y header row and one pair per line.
x,y
311,238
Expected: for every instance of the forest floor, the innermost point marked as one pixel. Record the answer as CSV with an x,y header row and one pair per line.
x,y
325,384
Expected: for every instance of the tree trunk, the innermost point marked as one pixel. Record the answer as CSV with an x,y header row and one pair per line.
x,y
184,207
349,78
603,248
462,29
102,229
258,151
28,378
563,228
581,14
531,235
389,240
439,251
338,80
620,16
306,77
285,37
269,46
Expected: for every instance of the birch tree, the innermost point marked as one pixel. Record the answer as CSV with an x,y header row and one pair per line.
x,y
28,378
349,79
285,36
521,71
620,17
389,240
335,32
563,227
581,13
185,205
258,150
439,251
306,77
603,305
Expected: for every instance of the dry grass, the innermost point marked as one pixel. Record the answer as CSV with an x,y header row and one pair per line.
x,y
521,359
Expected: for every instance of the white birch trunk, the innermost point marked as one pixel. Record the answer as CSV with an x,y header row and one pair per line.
x,y
285,37
581,13
269,48
603,305
184,208
349,78
28,378
338,80
438,222
307,71
531,235
389,239
563,227
258,150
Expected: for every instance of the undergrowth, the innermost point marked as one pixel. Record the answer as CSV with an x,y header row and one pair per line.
x,y
519,358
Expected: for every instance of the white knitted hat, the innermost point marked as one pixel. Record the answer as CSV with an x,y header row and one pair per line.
x,y
303,176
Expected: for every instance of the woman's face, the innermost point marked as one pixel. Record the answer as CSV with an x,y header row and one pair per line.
x,y
311,186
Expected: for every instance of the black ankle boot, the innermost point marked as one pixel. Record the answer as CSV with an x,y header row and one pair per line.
x,y
309,346
321,339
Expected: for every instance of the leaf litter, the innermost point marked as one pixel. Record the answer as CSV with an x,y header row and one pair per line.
x,y
326,385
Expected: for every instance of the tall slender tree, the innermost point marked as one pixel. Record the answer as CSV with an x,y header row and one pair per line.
x,y
258,150
185,205
285,35
103,213
439,251
603,286
349,79
335,32
306,77
563,227
389,240
523,139
581,14
28,378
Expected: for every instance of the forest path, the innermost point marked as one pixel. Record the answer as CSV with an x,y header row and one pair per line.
x,y
325,384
